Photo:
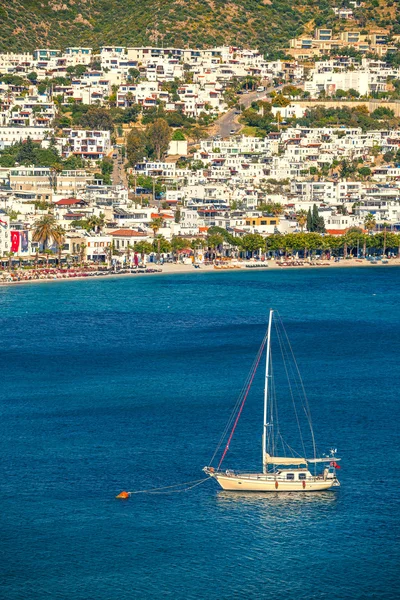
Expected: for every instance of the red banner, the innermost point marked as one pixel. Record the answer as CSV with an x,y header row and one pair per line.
x,y
14,241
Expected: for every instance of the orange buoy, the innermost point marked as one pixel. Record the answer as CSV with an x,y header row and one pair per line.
x,y
304,484
123,496
276,485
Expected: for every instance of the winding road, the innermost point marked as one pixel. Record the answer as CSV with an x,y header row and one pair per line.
x,y
229,121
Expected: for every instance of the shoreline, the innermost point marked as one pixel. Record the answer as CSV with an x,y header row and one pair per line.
x,y
173,269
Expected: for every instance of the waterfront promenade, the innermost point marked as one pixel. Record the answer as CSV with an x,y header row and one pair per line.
x,y
20,276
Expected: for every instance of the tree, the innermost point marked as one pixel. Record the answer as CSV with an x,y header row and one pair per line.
x,y
272,208
161,245
178,243
347,168
178,136
252,242
46,229
95,223
133,74
59,239
197,134
318,223
47,252
82,248
214,240
143,248
369,222
353,238
155,225
364,172
9,255
301,218
135,146
26,154
32,77
352,93
97,118
309,220
159,137
389,157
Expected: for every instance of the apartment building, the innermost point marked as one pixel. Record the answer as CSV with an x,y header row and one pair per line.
x,y
89,145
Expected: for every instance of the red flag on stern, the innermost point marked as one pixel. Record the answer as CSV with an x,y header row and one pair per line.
x,y
334,464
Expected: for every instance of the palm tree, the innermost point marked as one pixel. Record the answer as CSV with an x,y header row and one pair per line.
x,y
129,99
59,240
82,247
128,251
55,170
109,253
46,229
301,218
369,222
9,255
96,223
155,225
48,253
195,245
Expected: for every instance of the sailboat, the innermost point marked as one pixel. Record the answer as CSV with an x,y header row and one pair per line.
x,y
280,473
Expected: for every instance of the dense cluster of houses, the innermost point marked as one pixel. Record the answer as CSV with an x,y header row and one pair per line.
x,y
232,183
134,75
233,179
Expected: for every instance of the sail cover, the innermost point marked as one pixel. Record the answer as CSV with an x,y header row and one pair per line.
x,y
284,460
323,460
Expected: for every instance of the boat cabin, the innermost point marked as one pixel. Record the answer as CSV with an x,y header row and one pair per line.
x,y
294,474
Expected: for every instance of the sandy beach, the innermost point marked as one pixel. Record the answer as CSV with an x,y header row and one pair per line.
x,y
176,269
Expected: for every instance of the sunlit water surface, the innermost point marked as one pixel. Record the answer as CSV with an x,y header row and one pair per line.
x,y
128,383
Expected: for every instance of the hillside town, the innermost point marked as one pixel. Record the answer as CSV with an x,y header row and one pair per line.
x,y
129,156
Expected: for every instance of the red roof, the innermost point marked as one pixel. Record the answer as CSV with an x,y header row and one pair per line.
x,y
68,202
160,216
128,233
336,231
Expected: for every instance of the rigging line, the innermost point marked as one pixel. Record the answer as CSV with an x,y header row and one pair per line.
x,y
239,400
274,402
293,362
170,487
243,401
306,408
234,410
283,352
294,377
181,490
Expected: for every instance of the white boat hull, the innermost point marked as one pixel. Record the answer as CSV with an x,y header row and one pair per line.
x,y
261,483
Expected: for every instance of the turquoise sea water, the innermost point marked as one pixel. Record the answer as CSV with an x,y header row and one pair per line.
x,y
128,383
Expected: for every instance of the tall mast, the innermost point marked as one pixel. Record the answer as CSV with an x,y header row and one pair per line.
x,y
267,376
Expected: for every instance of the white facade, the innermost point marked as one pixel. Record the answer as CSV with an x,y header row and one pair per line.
x,y
5,240
91,145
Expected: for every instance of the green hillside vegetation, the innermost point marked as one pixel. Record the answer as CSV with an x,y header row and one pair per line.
x,y
267,24
260,117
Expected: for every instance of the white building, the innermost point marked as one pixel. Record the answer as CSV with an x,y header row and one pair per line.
x,y
89,145
5,243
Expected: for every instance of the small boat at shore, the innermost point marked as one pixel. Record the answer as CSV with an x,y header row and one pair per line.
x,y
283,469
